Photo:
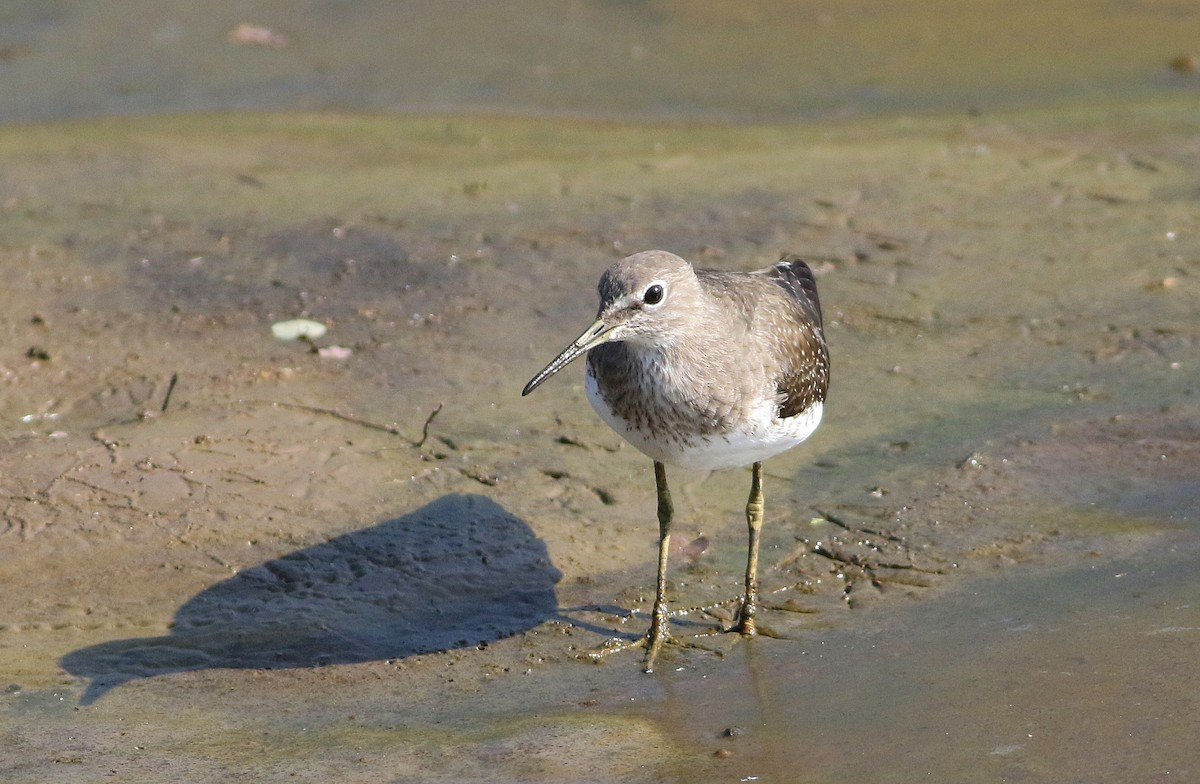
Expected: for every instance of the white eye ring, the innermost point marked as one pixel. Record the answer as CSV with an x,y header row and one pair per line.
x,y
654,294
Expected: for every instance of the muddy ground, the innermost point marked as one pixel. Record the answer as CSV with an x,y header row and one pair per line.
x,y
226,555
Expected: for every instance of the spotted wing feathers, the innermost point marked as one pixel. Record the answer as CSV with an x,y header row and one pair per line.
x,y
793,274
806,379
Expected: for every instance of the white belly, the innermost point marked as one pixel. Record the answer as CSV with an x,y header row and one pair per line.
x,y
760,435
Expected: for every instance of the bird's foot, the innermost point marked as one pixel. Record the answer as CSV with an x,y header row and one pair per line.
x,y
748,627
652,643
747,610
744,620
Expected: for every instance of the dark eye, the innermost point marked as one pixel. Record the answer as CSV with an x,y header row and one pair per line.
x,y
653,295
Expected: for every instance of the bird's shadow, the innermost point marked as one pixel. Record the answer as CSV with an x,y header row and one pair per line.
x,y
458,572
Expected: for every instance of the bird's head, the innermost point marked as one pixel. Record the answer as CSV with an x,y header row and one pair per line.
x,y
644,298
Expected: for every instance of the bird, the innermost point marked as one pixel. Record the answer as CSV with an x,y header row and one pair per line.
x,y
704,369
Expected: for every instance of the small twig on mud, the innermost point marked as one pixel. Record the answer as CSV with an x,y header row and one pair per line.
x,y
170,389
425,427
847,527
392,429
866,564
129,498
331,412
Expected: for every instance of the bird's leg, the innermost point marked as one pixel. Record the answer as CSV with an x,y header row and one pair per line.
x,y
659,633
659,618
754,515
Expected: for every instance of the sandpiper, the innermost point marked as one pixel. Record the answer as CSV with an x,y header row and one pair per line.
x,y
708,370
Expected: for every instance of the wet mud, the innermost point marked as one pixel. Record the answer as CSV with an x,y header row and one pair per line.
x,y
225,554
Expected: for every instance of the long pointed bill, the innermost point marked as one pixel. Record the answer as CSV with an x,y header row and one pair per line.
x,y
593,336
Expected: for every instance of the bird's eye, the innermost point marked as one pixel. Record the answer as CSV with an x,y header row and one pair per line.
x,y
653,295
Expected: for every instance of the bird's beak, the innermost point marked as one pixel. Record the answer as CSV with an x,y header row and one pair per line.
x,y
597,333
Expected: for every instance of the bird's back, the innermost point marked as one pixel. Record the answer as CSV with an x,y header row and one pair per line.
x,y
785,340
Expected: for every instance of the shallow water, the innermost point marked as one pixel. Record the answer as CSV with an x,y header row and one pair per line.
x,y
1014,678
230,556
666,59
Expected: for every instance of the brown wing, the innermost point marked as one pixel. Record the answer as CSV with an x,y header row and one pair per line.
x,y
806,377
793,274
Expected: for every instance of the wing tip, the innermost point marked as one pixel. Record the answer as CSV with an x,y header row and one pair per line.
x,y
794,272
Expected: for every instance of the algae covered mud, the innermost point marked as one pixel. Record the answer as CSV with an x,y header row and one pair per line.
x,y
752,61
229,555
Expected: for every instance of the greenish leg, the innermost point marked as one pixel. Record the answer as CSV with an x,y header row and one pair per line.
x,y
754,516
659,619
